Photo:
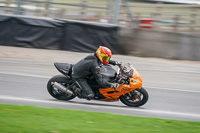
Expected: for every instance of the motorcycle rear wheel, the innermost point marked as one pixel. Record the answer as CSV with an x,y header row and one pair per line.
x,y
56,93
135,98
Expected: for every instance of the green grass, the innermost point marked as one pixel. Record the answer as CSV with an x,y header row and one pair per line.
x,y
27,119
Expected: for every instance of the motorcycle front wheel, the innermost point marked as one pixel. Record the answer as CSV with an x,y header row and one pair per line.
x,y
135,98
55,92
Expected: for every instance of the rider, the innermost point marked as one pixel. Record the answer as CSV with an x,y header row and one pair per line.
x,y
89,66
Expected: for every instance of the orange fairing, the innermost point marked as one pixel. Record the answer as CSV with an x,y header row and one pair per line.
x,y
136,75
114,93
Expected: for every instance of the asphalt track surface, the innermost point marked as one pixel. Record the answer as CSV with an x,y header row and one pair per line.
x,y
173,86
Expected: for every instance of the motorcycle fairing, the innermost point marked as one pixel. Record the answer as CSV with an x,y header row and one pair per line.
x,y
114,93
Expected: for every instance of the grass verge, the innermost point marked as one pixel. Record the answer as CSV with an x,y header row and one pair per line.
x,y
28,119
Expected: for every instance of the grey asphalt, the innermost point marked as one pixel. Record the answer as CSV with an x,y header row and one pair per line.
x,y
173,86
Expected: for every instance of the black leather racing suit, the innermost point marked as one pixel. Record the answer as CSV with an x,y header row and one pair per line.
x,y
87,67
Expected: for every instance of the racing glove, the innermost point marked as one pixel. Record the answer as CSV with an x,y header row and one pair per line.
x,y
118,63
114,85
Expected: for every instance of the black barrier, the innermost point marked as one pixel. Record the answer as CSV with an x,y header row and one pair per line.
x,y
87,37
7,32
30,32
56,34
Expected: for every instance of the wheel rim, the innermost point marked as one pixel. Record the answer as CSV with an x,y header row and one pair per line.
x,y
134,97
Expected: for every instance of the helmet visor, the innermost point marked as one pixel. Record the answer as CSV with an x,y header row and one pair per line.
x,y
105,58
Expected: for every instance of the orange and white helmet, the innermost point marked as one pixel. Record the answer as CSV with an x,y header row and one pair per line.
x,y
103,54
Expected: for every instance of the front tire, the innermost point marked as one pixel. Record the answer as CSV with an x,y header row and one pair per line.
x,y
135,98
56,93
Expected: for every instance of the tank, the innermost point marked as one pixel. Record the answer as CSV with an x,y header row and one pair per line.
x,y
108,71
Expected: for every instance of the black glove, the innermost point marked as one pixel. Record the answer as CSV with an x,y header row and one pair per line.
x,y
114,85
118,63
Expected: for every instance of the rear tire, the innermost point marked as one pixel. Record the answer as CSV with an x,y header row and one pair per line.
x,y
59,95
135,98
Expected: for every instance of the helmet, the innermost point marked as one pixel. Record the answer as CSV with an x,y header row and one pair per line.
x,y
103,54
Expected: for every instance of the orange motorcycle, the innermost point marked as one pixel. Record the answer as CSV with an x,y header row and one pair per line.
x,y
130,90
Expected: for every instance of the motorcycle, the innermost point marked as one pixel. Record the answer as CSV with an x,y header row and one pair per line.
x,y
130,90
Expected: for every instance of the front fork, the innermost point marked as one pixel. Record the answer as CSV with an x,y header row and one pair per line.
x,y
133,95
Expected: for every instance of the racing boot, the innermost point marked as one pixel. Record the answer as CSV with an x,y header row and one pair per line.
x,y
86,90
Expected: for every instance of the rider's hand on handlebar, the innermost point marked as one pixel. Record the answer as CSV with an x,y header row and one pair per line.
x,y
118,64
114,85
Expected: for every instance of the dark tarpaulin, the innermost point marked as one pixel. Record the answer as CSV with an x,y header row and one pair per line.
x,y
30,32
7,31
56,34
87,37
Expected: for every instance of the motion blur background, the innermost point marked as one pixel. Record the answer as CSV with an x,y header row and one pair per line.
x,y
150,28
71,29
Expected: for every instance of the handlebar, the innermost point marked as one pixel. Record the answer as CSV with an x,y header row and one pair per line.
x,y
121,71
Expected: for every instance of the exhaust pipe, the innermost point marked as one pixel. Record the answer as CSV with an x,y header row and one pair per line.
x,y
62,88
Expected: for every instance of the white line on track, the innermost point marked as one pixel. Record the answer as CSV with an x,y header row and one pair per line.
x,y
93,106
161,88
27,75
48,77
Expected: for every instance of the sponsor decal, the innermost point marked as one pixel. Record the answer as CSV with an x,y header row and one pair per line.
x,y
134,83
124,89
62,70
